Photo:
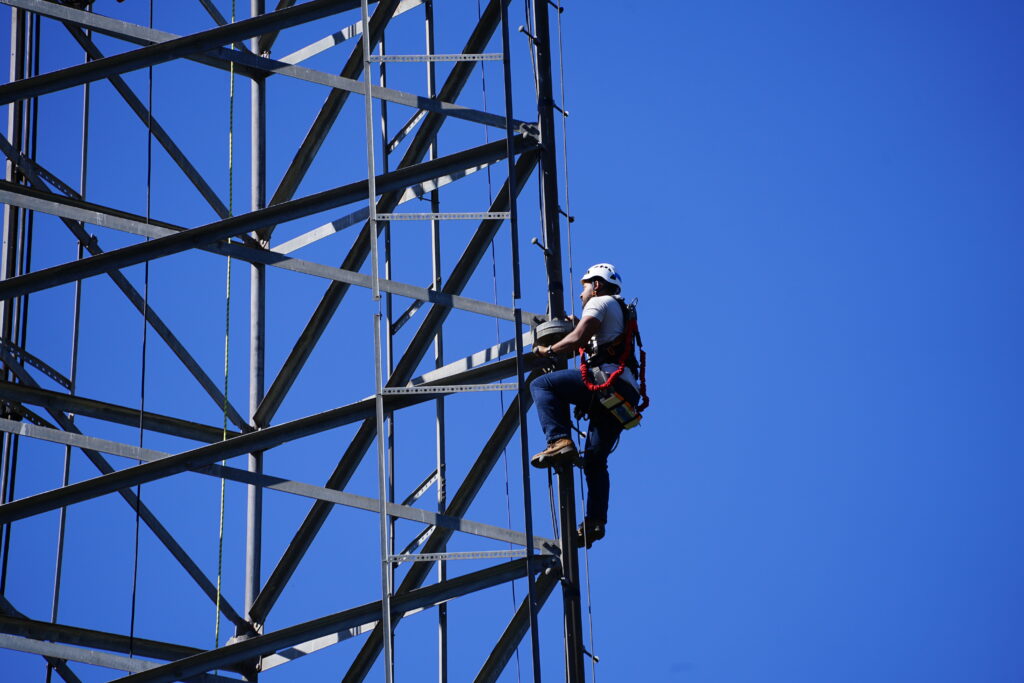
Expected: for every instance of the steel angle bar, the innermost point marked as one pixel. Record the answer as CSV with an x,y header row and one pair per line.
x,y
458,279
236,225
266,41
59,665
130,292
334,623
79,210
459,504
479,57
464,555
89,638
302,649
166,51
476,360
261,440
339,478
517,628
361,215
329,112
158,131
300,164
431,104
341,36
449,389
145,514
404,131
75,654
403,511
450,216
123,30
27,358
111,412
418,492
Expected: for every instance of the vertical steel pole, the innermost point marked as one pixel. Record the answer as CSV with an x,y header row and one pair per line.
x,y
517,294
8,261
556,308
257,327
382,473
439,426
548,167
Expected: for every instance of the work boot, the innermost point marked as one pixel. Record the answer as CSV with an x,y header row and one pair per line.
x,y
588,532
558,452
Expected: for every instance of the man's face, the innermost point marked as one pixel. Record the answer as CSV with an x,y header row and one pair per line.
x,y
588,292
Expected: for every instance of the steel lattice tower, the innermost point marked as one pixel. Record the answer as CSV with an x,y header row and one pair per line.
x,y
375,270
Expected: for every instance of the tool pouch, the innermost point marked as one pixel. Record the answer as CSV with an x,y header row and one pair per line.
x,y
614,402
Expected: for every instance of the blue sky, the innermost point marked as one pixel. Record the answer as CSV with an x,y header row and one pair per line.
x,y
819,209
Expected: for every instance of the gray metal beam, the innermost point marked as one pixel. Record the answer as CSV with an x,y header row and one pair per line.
x,y
453,86
76,210
158,131
59,665
328,113
459,504
266,41
236,225
411,358
403,511
261,440
123,30
464,268
516,629
169,50
357,616
89,638
33,171
145,514
74,654
111,412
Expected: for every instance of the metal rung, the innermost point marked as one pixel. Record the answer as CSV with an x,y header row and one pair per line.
x,y
471,555
481,57
478,216
450,388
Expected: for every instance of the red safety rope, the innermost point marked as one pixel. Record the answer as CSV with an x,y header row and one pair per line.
x,y
631,332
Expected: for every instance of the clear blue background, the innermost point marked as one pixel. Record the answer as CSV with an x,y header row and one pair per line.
x,y
819,206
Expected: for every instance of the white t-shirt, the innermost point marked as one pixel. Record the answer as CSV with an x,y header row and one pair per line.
x,y
609,313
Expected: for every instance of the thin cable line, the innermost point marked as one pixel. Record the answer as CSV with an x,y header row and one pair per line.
x,y
145,330
227,335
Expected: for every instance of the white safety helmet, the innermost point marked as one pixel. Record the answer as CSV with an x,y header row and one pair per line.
x,y
603,271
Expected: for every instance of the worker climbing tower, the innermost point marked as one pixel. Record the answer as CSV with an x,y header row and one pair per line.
x,y
276,430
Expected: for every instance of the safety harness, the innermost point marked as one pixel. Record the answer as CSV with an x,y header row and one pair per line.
x,y
622,351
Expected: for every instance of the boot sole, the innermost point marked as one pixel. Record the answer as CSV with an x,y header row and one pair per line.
x,y
545,460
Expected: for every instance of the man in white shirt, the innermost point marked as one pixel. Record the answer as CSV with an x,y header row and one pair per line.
x,y
603,320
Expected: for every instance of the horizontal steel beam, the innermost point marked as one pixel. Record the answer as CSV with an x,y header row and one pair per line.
x,y
251,442
402,511
357,616
230,227
127,31
84,637
79,210
75,654
111,412
166,51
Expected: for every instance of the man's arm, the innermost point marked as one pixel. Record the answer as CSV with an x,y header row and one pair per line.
x,y
584,330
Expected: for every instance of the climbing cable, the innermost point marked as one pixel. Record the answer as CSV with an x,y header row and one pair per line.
x,y
572,278
497,325
227,336
145,328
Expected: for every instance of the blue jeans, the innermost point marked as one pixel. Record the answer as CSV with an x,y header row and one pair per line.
x,y
552,394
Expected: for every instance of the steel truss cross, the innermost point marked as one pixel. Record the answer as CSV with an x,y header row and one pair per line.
x,y
436,146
